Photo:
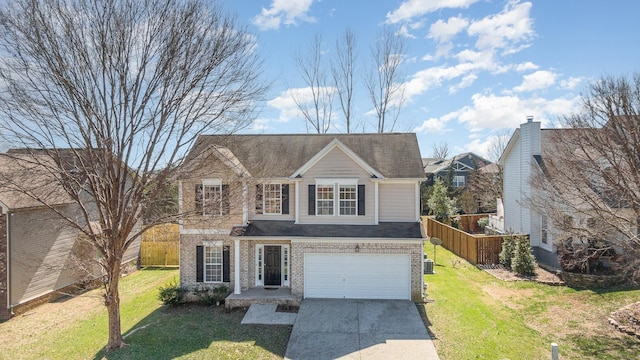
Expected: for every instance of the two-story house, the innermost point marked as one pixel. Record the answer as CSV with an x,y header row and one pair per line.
x,y
326,216
458,167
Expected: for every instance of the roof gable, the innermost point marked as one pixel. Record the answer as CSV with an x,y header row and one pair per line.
x,y
336,144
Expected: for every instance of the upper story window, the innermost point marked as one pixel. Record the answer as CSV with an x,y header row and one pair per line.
x,y
212,197
324,200
272,199
459,181
342,197
348,200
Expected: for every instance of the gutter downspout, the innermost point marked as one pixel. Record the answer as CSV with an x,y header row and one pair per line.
x,y
8,226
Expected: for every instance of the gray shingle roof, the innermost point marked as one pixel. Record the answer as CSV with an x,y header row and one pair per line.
x,y
393,230
394,155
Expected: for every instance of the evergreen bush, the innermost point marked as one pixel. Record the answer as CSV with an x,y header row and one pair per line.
x,y
523,261
171,294
508,247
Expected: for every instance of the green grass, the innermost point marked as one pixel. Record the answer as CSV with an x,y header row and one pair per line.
x,y
156,331
476,316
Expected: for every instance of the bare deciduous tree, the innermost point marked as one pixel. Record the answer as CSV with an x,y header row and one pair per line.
x,y
343,73
315,102
385,82
589,188
116,91
440,151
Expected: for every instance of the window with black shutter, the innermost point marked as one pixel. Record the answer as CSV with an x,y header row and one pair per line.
x,y
285,199
312,200
361,197
199,263
198,198
259,194
225,200
226,268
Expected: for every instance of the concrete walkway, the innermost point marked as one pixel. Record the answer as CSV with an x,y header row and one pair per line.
x,y
359,329
266,314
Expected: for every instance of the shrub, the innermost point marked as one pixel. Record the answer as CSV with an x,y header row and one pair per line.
x,y
508,247
523,261
483,223
441,206
209,295
171,294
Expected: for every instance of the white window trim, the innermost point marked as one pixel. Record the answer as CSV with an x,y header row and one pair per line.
x,y
212,244
457,183
264,199
336,183
211,182
285,264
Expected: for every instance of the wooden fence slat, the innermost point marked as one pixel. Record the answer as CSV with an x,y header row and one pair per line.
x,y
477,249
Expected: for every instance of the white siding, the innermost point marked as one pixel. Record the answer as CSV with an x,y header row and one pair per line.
x,y
335,165
397,202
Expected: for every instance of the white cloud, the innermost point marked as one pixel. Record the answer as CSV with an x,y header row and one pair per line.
x,y
404,31
498,112
538,80
571,83
432,126
286,102
260,125
466,81
414,8
283,11
443,31
508,30
527,66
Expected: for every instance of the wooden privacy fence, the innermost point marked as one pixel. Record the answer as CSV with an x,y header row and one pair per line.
x,y
160,246
476,249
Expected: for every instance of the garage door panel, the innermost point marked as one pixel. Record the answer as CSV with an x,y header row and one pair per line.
x,y
357,276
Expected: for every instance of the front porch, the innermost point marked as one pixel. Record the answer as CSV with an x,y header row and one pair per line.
x,y
263,295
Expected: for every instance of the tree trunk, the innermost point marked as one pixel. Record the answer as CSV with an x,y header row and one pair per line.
x,y
112,302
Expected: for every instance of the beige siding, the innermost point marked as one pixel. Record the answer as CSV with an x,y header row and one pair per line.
x,y
397,202
336,165
42,256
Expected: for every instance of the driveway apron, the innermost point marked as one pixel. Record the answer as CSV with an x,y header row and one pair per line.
x,y
359,329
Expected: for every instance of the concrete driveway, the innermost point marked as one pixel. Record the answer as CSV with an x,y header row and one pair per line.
x,y
359,329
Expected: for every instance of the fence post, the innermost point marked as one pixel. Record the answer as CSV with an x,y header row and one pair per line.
x,y
554,351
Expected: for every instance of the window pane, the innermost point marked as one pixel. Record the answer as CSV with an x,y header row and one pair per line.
x,y
213,264
212,199
324,200
348,201
272,198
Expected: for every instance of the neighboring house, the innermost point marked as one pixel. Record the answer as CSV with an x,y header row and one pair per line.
x,y
40,253
326,216
520,159
459,168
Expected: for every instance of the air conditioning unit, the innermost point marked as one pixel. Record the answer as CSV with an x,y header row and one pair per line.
x,y
428,267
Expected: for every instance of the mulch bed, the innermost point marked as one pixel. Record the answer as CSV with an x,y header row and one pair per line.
x,y
627,319
542,276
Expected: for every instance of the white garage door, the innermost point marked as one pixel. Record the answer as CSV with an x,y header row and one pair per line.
x,y
357,276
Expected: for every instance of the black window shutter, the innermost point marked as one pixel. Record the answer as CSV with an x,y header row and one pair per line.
x,y
226,267
199,263
361,196
225,199
199,198
312,199
285,199
259,194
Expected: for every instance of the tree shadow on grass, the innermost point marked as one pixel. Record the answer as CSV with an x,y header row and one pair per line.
x,y
607,347
211,332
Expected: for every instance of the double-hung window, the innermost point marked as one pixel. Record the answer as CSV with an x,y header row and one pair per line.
x,y
459,181
213,263
348,199
272,199
212,197
324,199
337,197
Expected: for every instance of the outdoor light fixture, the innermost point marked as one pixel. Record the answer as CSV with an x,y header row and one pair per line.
x,y
357,248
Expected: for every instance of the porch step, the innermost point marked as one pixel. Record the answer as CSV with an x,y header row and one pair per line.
x,y
280,296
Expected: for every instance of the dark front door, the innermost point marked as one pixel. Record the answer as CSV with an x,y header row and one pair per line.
x,y
272,265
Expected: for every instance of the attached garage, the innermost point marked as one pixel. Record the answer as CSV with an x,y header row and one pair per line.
x,y
357,276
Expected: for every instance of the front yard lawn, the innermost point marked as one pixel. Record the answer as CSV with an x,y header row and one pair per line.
x,y
77,328
476,316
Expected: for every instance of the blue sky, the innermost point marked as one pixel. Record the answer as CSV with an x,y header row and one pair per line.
x,y
473,69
